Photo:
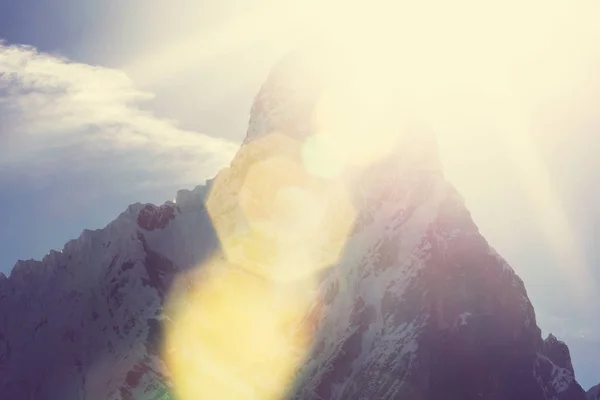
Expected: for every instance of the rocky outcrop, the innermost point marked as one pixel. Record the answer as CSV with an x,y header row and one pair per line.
x,y
593,393
152,217
558,353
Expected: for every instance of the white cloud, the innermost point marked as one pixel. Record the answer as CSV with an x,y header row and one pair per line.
x,y
57,114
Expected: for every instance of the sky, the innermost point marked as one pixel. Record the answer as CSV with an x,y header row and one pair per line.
x,y
104,103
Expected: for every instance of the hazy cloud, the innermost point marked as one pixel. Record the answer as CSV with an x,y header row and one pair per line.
x,y
56,114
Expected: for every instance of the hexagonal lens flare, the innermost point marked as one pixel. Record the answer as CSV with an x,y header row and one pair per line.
x,y
276,219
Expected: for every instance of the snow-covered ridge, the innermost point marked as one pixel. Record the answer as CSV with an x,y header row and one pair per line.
x,y
124,223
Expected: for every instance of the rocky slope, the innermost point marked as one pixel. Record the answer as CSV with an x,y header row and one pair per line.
x,y
85,322
417,305
594,393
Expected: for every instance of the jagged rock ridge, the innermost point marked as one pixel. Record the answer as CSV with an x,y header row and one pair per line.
x,y
594,393
419,306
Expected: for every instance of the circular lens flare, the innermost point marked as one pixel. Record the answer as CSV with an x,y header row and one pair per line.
x,y
276,219
233,335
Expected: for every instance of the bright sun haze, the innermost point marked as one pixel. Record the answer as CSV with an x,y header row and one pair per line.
x,y
347,109
474,71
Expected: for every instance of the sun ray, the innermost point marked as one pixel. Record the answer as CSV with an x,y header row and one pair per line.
x,y
268,24
282,210
560,236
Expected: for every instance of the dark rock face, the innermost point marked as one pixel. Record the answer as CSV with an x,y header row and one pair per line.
x,y
593,393
558,353
152,217
453,323
160,270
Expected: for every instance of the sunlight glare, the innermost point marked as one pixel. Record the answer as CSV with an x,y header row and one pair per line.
x,y
468,69
274,218
234,335
237,327
282,210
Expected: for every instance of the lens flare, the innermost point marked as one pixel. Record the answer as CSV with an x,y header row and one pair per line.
x,y
237,326
276,219
235,336
354,127
282,210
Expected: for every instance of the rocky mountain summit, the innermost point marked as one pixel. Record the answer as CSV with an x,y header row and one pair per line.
x,y
416,305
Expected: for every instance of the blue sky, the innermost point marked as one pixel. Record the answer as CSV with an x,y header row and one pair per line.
x,y
156,98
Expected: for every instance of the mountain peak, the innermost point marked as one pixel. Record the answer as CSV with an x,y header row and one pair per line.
x,y
409,301
338,119
558,352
